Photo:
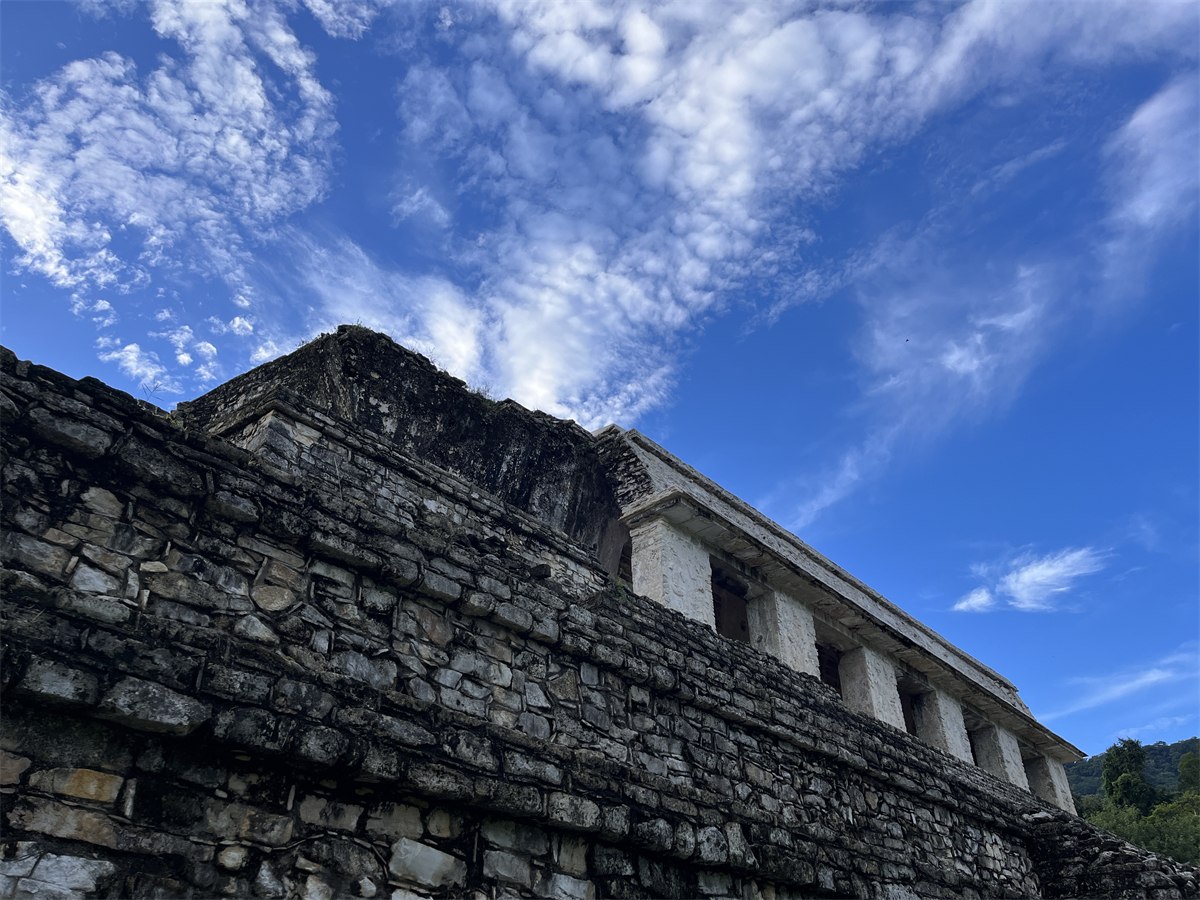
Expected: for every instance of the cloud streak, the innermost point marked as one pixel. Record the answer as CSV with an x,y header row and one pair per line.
x,y
945,342
1031,583
1101,690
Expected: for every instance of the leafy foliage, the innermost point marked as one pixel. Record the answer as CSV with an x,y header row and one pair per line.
x,y
1189,773
1162,762
1167,823
1172,829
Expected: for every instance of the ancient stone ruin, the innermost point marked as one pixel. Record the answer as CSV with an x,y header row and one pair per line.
x,y
344,628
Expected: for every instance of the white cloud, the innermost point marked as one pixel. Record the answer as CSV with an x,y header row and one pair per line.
x,y
640,164
187,348
141,366
1035,582
421,202
979,600
265,352
239,325
194,157
1030,583
1154,180
344,18
635,168
105,316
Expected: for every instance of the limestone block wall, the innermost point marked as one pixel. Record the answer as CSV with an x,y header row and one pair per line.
x,y
337,670
783,627
672,568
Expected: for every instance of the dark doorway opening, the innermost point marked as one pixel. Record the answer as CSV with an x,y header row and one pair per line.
x,y
829,659
908,703
729,606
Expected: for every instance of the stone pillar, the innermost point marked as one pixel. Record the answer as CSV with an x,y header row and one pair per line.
x,y
940,723
997,751
1048,780
783,626
869,685
673,568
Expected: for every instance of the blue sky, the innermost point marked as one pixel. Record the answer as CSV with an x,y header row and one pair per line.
x,y
918,281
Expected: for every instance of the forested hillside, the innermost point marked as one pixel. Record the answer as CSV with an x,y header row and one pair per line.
x,y
1162,767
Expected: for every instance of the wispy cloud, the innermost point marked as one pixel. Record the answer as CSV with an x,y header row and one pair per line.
x,y
601,179
979,600
948,341
1162,723
195,158
1099,690
1153,179
1030,583
1034,584
141,366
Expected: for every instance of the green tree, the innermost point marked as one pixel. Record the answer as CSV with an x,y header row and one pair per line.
x,y
1124,776
1189,773
1135,792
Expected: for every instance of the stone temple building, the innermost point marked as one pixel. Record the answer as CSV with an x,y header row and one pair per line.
x,y
344,628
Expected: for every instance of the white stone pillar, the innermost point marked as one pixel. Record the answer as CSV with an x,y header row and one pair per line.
x,y
673,568
869,685
940,723
997,751
783,626
1048,780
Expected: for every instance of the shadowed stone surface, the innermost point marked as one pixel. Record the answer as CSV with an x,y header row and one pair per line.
x,y
458,697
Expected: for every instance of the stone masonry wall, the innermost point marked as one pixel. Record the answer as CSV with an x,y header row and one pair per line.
x,y
345,671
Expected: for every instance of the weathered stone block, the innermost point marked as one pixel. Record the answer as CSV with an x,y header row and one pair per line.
x,y
255,729
71,434
225,505
656,835
305,699
103,502
55,682
151,707
253,628
414,861
12,767
272,598
71,873
320,746
236,684
29,553
330,814
439,586
558,886
161,469
237,821
509,615
82,784
502,865
233,858
516,836
712,848
70,823
573,813
395,820
521,766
